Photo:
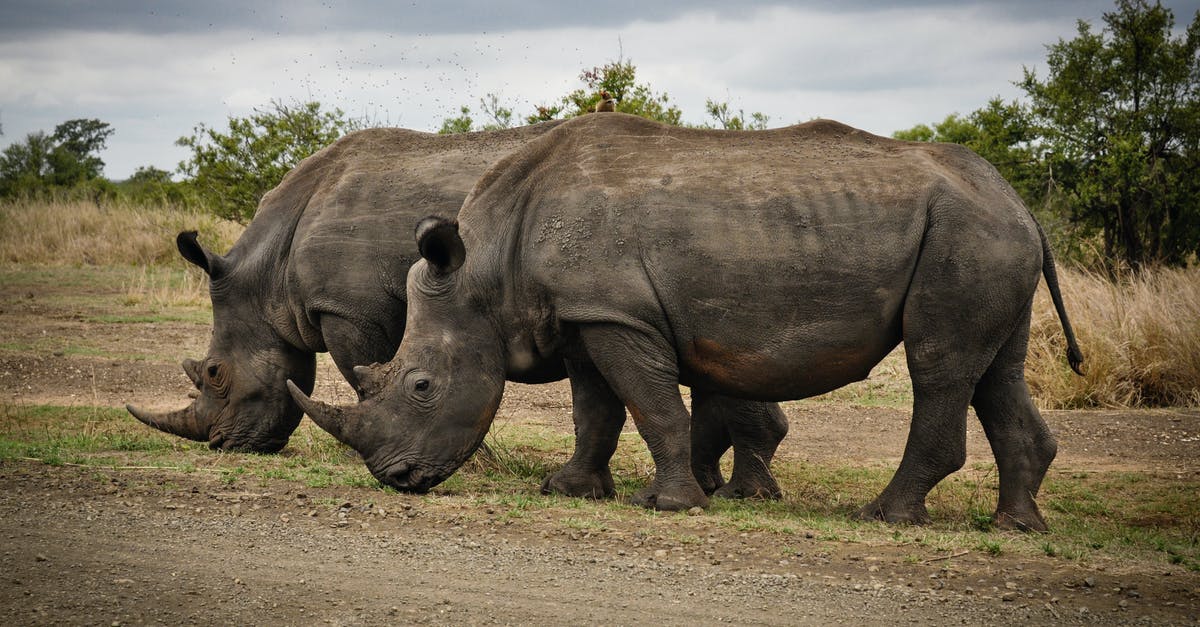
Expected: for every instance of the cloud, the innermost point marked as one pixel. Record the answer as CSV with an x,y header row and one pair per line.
x,y
154,73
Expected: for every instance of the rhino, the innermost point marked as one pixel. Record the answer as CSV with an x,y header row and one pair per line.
x,y
322,267
764,265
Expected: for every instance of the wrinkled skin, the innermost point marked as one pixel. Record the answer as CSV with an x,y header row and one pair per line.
x,y
765,265
322,267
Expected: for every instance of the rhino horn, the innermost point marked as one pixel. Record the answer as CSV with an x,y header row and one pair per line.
x,y
369,380
191,368
328,417
185,423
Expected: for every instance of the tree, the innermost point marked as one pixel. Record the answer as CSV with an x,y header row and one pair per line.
x,y
619,79
1003,134
231,171
719,111
66,162
501,116
150,185
1119,116
460,124
75,158
25,166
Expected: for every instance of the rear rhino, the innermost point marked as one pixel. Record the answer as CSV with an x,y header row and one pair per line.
x,y
767,265
322,267
319,269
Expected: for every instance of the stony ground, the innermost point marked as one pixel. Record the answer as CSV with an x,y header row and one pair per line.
x,y
133,545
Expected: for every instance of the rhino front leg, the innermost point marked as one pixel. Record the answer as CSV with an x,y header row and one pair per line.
x,y
754,429
643,373
710,440
599,416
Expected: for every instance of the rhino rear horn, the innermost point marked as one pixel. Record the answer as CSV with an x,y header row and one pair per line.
x,y
440,244
185,423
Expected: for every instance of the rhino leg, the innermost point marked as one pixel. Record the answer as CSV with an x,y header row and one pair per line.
x,y
1021,442
710,440
599,417
643,373
754,429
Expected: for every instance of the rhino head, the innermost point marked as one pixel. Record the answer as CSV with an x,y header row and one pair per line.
x,y
241,401
428,409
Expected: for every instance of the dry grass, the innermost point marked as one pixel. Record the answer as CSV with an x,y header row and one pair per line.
x,y
1140,337
158,289
82,233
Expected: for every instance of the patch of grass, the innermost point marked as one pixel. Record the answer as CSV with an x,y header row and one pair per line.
x,y
1140,335
1092,515
84,233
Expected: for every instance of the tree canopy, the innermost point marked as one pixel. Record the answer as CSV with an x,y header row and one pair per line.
x,y
232,170
1119,117
66,161
1109,141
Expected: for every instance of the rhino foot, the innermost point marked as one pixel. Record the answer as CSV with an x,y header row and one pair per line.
x,y
757,488
672,499
590,485
894,513
709,477
1029,521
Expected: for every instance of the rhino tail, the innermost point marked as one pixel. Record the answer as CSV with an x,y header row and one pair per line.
x,y
1074,355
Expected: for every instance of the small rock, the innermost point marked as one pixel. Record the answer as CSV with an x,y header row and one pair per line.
x,y
1008,597
40,558
695,511
1090,582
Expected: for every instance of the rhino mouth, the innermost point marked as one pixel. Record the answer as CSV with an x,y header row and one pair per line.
x,y
218,441
412,477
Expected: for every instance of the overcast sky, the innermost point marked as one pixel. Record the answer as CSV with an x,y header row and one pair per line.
x,y
154,70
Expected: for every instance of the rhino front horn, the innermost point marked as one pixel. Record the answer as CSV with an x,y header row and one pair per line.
x,y
328,417
184,423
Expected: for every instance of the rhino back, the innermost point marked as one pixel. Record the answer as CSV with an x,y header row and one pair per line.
x,y
336,235
794,246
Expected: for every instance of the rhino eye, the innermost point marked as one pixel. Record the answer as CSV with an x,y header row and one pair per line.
x,y
213,371
421,385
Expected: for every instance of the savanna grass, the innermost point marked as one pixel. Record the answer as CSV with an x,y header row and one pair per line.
x,y
118,233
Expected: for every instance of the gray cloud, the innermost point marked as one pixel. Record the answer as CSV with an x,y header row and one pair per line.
x,y
24,17
155,73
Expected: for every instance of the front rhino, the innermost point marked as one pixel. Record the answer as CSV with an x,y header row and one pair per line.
x,y
624,244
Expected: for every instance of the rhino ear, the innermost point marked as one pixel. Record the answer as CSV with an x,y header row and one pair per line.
x,y
210,262
440,244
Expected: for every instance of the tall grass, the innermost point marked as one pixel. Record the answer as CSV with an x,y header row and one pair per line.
x,y
118,233
1140,335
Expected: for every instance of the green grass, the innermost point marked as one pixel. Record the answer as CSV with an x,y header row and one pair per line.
x,y
1094,516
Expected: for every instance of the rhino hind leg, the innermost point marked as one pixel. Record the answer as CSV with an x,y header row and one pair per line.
x,y
957,318
599,416
1021,442
936,447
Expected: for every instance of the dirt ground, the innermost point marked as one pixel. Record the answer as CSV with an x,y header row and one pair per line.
x,y
88,545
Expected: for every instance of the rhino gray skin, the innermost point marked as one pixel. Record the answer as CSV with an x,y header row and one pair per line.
x,y
766,265
321,268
